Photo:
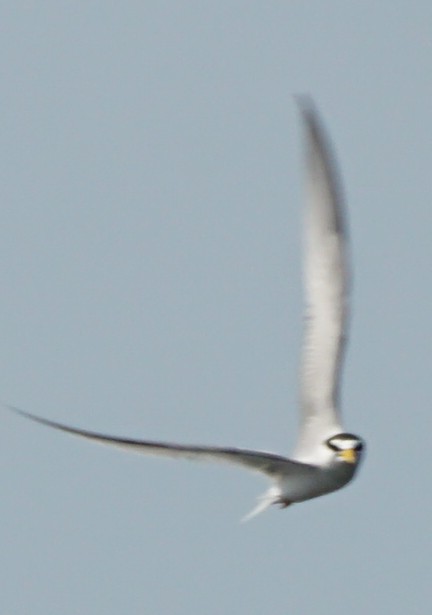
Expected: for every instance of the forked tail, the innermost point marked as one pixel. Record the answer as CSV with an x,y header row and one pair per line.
x,y
272,496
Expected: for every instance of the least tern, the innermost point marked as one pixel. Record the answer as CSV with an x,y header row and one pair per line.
x,y
326,458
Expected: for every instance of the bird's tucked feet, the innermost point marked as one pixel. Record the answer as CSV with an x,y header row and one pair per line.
x,y
283,503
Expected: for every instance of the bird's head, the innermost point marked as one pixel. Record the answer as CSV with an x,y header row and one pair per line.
x,y
347,447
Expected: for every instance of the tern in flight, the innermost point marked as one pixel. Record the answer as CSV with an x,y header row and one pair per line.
x,y
326,457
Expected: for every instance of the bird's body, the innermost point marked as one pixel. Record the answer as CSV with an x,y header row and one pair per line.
x,y
326,458
311,481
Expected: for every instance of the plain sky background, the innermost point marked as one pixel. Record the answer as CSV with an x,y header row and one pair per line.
x,y
150,259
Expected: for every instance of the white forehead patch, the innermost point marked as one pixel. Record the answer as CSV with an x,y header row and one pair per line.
x,y
345,444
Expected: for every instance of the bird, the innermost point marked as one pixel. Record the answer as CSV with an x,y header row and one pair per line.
x,y
326,458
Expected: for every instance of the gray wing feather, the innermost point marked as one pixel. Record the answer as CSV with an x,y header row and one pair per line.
x,y
257,461
326,285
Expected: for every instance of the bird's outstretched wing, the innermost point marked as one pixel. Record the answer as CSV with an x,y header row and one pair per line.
x,y
257,461
326,285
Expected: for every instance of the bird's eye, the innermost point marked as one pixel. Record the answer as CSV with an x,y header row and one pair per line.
x,y
359,446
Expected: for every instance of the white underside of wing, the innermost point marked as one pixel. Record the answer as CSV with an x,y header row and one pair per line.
x,y
326,284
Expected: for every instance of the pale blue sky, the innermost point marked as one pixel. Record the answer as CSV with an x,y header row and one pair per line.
x,y
150,270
